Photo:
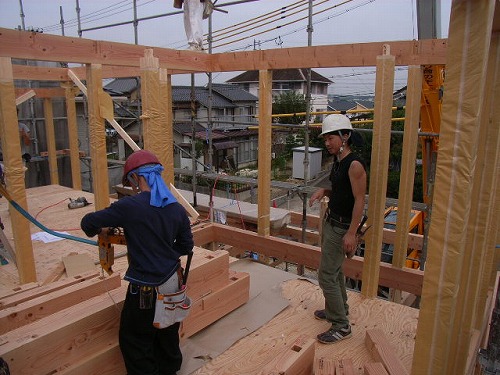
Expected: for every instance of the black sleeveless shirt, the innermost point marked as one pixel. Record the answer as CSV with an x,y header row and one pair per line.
x,y
341,197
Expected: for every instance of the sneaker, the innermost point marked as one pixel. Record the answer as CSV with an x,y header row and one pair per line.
x,y
320,314
334,335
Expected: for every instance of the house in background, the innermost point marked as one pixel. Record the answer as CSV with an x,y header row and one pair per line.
x,y
349,104
288,80
233,111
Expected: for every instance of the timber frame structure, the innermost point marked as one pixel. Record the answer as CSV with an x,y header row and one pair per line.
x,y
462,260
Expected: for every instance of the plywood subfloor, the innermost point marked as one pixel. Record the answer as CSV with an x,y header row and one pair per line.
x,y
49,205
250,354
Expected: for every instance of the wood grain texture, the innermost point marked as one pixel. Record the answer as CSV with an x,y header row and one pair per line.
x,y
251,354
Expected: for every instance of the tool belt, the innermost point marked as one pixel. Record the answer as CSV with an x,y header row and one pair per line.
x,y
337,220
173,307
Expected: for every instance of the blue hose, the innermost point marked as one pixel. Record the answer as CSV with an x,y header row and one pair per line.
x,y
26,214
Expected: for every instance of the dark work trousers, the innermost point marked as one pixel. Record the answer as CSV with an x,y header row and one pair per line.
x,y
147,350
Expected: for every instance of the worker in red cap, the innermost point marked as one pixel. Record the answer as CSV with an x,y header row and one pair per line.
x,y
157,231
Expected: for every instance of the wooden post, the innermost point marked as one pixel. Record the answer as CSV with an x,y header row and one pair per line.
x,y
51,140
379,169
167,124
14,173
264,178
150,93
406,181
100,180
462,189
480,238
74,151
488,206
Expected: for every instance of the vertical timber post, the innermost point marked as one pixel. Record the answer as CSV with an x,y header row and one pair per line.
x,y
264,178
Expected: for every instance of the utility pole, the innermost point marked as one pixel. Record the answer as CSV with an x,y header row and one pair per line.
x,y
78,17
22,14
136,23
62,20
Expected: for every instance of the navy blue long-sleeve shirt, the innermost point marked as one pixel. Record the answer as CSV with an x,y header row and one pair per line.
x,y
156,237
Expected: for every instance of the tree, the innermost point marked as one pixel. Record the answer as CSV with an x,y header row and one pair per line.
x,y
289,102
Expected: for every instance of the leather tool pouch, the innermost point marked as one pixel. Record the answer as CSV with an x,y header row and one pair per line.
x,y
171,308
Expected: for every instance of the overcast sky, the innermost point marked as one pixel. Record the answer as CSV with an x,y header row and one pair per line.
x,y
259,24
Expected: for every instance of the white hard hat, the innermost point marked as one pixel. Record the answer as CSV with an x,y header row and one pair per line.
x,y
335,122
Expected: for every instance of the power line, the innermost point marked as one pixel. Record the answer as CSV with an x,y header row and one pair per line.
x,y
250,45
253,22
284,25
109,11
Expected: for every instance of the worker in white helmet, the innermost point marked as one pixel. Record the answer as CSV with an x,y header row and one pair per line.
x,y
193,17
345,211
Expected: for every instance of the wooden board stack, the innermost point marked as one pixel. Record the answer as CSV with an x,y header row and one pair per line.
x,y
71,326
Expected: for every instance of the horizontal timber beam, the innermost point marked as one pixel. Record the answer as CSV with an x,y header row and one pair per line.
x,y
422,52
46,47
415,241
408,280
52,92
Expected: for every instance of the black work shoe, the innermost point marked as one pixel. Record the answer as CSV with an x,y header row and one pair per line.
x,y
335,334
320,314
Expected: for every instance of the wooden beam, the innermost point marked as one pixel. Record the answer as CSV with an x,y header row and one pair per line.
x,y
24,96
39,73
33,46
487,232
451,290
183,201
217,304
210,272
264,164
100,181
42,93
14,173
374,368
330,366
344,367
154,135
29,291
77,82
104,360
406,182
65,337
203,234
379,170
479,242
76,177
297,359
47,47
414,241
51,140
422,52
406,279
167,124
107,111
37,308
384,352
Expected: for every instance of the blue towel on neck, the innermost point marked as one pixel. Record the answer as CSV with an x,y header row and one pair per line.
x,y
161,196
